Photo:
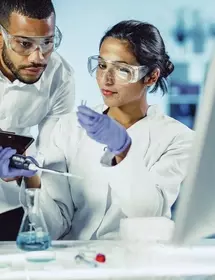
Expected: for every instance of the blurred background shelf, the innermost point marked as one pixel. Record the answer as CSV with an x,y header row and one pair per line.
x,y
186,99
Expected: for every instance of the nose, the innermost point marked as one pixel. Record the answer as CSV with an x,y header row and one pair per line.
x,y
36,57
109,77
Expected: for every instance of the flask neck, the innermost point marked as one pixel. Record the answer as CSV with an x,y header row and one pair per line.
x,y
32,197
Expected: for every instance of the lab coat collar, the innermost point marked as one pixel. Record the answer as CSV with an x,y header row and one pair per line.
x,y
20,84
37,85
153,110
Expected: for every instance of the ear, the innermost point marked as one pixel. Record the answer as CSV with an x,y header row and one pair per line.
x,y
152,77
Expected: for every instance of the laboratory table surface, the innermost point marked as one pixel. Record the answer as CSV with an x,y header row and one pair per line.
x,y
124,260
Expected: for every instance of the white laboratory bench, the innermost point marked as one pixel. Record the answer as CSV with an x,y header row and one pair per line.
x,y
124,260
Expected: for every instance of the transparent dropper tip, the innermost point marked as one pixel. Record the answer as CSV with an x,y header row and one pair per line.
x,y
33,167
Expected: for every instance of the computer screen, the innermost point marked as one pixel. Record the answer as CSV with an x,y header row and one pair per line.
x,y
195,211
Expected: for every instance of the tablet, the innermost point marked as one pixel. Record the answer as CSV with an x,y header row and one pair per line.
x,y
15,141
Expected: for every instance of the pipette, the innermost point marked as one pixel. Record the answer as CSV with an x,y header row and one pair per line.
x,y
22,162
34,167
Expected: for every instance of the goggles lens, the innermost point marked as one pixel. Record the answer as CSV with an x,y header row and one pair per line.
x,y
26,45
121,73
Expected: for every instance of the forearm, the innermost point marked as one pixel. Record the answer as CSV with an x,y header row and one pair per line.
x,y
55,213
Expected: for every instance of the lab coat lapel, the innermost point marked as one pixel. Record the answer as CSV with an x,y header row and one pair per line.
x,y
140,135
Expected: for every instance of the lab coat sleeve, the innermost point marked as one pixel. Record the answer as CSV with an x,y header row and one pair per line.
x,y
61,103
144,191
55,196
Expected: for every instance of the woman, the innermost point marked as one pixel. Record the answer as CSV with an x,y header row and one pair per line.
x,y
131,157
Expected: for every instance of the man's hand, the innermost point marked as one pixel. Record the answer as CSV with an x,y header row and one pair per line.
x,y
17,178
7,172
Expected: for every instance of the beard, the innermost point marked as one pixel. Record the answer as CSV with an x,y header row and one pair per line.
x,y
16,70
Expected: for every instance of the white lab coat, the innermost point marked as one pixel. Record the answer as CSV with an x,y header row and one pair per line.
x,y
146,183
23,106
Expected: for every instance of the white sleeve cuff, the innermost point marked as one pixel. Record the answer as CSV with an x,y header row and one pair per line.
x,y
107,159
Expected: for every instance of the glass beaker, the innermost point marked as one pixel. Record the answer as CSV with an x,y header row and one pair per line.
x,y
33,233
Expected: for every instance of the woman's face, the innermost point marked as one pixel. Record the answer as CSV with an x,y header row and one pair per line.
x,y
114,93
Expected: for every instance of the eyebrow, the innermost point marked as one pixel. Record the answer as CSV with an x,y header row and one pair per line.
x,y
120,61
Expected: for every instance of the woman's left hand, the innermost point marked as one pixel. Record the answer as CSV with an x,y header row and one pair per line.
x,y
104,130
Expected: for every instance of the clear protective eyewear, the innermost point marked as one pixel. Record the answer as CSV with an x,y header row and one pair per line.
x,y
25,45
122,73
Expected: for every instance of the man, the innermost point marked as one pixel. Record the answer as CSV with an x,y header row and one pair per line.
x,y
36,86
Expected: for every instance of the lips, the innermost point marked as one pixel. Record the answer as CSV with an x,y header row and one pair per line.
x,y
33,70
108,92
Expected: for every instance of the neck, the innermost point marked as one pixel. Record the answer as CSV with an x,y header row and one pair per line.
x,y
130,113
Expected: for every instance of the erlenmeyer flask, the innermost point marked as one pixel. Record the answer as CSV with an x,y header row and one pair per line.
x,y
33,233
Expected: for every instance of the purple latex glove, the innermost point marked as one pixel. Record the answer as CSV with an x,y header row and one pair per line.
x,y
8,172
104,130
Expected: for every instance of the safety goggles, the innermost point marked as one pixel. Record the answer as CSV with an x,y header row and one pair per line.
x,y
26,45
121,73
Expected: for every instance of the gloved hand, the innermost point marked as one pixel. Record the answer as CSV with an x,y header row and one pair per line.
x,y
8,172
104,130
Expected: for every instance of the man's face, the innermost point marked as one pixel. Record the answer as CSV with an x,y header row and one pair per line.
x,y
27,69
